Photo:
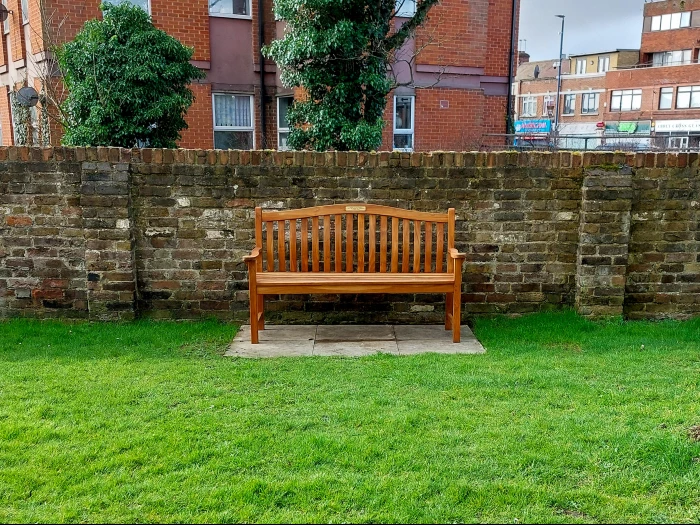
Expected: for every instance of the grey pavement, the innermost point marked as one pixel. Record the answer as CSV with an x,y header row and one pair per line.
x,y
351,341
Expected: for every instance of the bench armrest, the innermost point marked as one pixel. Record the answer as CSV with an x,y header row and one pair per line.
x,y
454,254
253,257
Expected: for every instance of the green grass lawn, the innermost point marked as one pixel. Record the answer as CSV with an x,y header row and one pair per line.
x,y
563,420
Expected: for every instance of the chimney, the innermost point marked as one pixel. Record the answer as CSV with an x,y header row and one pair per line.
x,y
523,58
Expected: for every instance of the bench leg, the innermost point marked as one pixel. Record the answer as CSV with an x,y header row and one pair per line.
x,y
449,311
254,325
457,305
457,318
261,312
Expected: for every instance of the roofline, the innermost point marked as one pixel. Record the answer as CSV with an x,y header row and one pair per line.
x,y
602,52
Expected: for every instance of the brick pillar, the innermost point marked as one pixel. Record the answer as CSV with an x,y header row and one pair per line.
x,y
109,249
604,242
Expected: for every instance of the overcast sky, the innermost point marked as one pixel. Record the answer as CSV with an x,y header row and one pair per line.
x,y
591,26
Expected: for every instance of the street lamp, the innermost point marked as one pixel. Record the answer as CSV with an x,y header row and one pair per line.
x,y
561,63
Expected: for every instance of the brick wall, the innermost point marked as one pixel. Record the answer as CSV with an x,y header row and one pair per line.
x,y
105,233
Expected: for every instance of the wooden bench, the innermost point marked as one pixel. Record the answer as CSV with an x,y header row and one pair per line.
x,y
353,249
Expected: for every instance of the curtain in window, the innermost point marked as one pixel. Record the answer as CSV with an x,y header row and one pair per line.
x,y
232,111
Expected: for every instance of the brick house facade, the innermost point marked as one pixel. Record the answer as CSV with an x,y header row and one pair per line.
x,y
461,76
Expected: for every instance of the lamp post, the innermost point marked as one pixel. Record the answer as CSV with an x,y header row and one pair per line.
x,y
561,64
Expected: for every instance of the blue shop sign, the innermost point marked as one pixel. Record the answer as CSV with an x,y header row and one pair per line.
x,y
533,126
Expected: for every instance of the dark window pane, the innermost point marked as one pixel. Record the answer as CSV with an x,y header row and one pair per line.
x,y
233,140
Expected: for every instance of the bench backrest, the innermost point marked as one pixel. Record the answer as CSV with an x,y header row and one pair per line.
x,y
354,238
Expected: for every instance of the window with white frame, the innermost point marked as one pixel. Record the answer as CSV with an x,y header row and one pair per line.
x,y
672,58
688,97
666,98
25,11
6,23
626,100
671,21
589,103
233,121
283,105
404,109
569,104
581,67
143,4
603,64
230,8
405,8
548,105
529,107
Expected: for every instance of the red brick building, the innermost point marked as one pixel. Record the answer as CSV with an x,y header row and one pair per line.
x,y
648,98
459,94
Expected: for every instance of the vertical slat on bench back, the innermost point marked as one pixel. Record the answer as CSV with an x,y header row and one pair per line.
x,y
428,243
361,243
372,243
394,244
349,243
259,235
304,245
450,238
416,246
383,244
327,243
338,243
406,246
314,245
270,247
293,246
440,255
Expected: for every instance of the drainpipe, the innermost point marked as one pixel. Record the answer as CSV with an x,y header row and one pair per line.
x,y
261,42
511,61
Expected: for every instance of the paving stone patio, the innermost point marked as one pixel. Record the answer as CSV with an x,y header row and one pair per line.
x,y
352,341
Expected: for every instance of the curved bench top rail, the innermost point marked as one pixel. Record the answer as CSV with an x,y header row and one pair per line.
x,y
353,207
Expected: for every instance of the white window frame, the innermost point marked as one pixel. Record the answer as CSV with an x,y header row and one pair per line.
x,y
234,128
581,66
117,2
671,21
280,129
249,16
666,90
588,110
545,100
6,23
603,64
693,93
529,106
620,94
405,8
405,131
24,7
573,106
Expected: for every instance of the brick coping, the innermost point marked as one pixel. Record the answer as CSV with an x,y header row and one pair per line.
x,y
352,159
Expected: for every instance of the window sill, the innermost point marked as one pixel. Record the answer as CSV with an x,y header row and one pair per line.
x,y
240,17
590,114
568,114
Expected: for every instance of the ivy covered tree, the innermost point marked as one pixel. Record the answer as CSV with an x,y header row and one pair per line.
x,y
339,52
127,82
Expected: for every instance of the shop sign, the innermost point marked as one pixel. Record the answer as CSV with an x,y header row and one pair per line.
x,y
533,126
671,126
629,127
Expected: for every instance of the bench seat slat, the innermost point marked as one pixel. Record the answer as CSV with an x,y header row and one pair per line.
x,y
300,283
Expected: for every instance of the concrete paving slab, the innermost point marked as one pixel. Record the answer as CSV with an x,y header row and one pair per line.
x,y
343,333
355,348
429,332
279,333
351,341
271,349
